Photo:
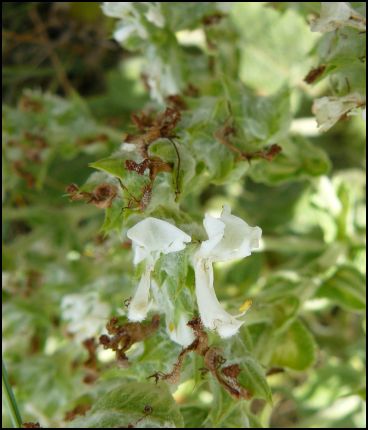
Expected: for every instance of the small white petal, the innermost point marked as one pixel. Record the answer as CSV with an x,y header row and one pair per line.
x,y
215,229
177,328
154,234
123,32
85,314
116,9
139,306
154,15
129,147
140,253
181,333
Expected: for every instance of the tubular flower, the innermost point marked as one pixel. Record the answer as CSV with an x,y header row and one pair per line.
x,y
150,238
180,333
229,238
176,318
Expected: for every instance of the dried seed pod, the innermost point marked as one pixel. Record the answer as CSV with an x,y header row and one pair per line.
x,y
103,195
314,74
123,336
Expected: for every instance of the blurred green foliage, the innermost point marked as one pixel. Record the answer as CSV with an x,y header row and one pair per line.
x,y
68,92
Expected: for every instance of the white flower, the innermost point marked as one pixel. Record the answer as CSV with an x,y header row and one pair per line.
x,y
180,332
118,9
85,314
150,238
124,31
229,237
129,147
335,15
154,14
176,319
329,110
161,78
130,21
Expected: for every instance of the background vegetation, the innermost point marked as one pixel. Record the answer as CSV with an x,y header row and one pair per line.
x,y
246,78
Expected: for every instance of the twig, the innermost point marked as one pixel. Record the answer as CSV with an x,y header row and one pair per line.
x,y
177,191
125,188
60,72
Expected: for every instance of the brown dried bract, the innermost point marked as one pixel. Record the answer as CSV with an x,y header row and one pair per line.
x,y
20,170
224,134
37,140
123,336
215,18
176,101
31,426
75,194
146,196
142,120
269,153
93,139
27,104
90,345
162,126
154,165
314,74
79,410
152,128
191,91
213,362
102,196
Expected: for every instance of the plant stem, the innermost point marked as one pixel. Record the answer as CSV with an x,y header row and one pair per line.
x,y
177,191
10,400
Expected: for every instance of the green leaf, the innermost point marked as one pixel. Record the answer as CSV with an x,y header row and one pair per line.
x,y
112,165
225,412
186,15
266,120
126,405
194,416
271,53
253,378
299,159
284,309
346,287
295,348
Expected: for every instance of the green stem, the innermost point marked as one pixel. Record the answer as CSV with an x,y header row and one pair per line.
x,y
10,400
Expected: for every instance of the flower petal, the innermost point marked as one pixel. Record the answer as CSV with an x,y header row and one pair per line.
x,y
212,314
177,328
116,9
151,237
140,305
229,237
215,229
156,235
181,333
